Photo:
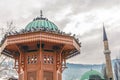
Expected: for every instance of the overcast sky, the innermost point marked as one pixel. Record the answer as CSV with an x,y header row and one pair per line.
x,y
82,17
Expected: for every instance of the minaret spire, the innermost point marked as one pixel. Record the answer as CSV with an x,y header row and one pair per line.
x,y
41,14
104,34
107,52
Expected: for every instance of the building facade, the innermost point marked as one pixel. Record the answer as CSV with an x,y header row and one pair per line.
x,y
40,50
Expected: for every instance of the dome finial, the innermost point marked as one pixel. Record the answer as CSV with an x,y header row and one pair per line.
x,y
41,15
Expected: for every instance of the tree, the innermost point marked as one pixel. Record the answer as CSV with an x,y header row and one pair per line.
x,y
4,31
10,27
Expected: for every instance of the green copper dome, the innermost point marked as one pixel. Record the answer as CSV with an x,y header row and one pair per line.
x,y
40,22
90,74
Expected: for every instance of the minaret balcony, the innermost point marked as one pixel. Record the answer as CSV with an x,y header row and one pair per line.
x,y
107,52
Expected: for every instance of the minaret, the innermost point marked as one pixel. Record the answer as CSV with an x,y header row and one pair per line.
x,y
107,52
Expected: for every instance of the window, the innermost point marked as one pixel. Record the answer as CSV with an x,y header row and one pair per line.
x,y
48,59
32,59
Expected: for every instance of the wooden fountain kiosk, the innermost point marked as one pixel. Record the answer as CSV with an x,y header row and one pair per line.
x,y
40,50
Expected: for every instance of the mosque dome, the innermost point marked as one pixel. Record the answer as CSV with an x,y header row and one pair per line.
x,y
41,22
92,75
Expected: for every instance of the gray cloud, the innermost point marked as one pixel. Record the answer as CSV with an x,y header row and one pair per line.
x,y
92,45
14,10
23,11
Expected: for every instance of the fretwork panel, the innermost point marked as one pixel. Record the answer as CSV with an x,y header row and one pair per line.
x,y
32,59
58,61
31,75
16,64
21,77
48,59
48,75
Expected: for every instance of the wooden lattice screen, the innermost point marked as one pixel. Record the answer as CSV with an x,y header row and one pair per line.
x,y
21,77
59,76
31,75
48,75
